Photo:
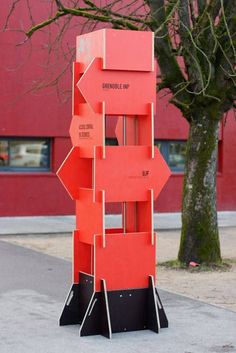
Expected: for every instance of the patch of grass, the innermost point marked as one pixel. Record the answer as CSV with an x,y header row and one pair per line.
x,y
230,261
173,264
177,265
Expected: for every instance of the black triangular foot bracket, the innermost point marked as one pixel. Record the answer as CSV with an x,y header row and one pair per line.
x,y
108,312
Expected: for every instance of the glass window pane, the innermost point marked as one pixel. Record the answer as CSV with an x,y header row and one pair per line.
x,y
3,153
29,153
111,142
158,145
177,155
163,147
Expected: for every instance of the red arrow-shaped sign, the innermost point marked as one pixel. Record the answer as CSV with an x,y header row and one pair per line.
x,y
75,173
124,92
126,180
87,130
128,172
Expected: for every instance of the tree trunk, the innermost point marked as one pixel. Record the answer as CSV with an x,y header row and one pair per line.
x,y
200,236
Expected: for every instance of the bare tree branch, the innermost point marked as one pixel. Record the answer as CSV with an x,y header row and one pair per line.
x,y
12,9
171,73
201,6
106,16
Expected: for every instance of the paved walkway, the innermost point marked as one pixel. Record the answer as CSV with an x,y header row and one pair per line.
x,y
33,287
65,224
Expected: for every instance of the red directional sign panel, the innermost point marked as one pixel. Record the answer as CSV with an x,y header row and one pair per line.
x,y
87,130
75,173
89,214
125,262
130,178
82,256
128,172
120,49
124,92
129,50
114,76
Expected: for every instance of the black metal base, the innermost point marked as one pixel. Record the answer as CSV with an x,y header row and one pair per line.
x,y
107,312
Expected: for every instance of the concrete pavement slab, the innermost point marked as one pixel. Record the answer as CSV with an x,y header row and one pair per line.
x,y
33,287
66,224
37,225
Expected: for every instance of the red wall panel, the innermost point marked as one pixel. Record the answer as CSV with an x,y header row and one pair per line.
x,y
36,193
226,180
170,123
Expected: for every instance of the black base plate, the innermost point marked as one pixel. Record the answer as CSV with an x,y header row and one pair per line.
x,y
107,312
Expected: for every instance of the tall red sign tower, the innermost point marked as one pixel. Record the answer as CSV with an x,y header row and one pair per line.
x,y
114,270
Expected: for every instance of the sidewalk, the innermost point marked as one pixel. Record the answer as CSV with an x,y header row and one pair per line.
x,y
66,224
215,287
33,287
219,288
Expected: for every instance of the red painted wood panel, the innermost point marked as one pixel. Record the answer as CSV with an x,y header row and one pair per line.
x,y
124,92
125,262
136,49
82,257
89,215
75,173
87,130
130,181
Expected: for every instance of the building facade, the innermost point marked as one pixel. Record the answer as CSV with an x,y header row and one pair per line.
x,y
34,137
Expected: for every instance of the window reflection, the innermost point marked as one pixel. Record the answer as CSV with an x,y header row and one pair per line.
x,y
24,153
177,155
174,153
111,141
3,153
